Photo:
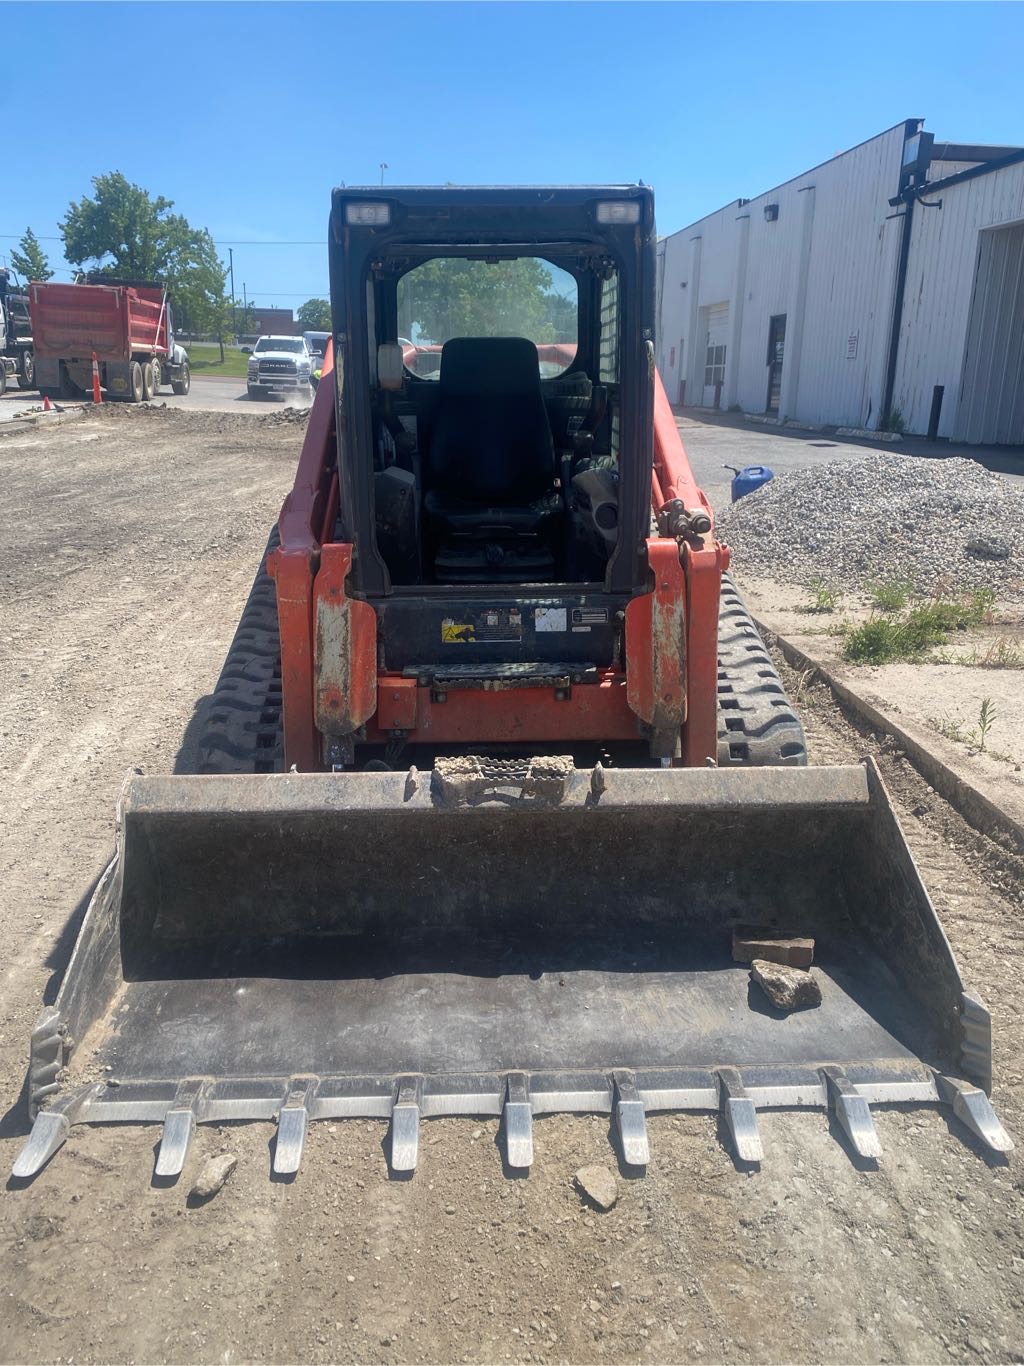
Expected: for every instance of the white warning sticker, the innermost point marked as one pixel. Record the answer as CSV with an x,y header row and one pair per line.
x,y
549,619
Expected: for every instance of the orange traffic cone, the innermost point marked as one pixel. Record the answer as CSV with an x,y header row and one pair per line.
x,y
97,397
47,405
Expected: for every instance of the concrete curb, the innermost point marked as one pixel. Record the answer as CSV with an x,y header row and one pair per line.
x,y
52,419
978,809
866,434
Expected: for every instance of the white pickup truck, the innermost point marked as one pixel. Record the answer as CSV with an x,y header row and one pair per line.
x,y
279,363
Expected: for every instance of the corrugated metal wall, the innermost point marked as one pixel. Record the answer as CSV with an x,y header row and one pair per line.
x,y
824,256
941,277
850,286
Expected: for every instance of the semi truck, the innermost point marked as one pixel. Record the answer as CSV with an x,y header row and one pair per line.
x,y
126,325
16,353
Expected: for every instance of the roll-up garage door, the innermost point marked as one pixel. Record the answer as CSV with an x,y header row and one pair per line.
x,y
714,360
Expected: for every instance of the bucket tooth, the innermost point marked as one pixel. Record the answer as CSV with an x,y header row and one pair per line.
x,y
517,1114
405,1125
179,1130
49,1130
852,1113
740,1116
972,1107
292,1127
631,1120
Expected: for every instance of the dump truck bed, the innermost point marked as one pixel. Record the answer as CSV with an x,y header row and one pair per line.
x,y
422,943
114,321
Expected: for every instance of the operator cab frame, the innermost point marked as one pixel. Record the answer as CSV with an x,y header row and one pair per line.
x,y
485,470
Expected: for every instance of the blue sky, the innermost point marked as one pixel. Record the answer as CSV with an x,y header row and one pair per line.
x,y
247,114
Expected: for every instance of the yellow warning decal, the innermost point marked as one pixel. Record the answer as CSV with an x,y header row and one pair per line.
x,y
457,632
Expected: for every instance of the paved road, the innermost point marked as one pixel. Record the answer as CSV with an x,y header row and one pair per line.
x,y
712,443
213,395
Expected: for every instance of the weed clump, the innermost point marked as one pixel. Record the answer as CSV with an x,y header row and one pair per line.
x,y
890,595
822,597
910,634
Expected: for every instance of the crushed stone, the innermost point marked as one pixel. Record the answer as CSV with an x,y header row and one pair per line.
x,y
944,526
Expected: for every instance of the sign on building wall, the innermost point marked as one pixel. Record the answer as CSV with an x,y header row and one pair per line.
x,y
851,345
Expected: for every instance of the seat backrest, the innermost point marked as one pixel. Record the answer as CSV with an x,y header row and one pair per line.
x,y
492,438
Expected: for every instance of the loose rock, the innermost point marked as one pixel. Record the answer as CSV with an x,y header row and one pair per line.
x,y
213,1175
750,942
598,1185
787,988
988,548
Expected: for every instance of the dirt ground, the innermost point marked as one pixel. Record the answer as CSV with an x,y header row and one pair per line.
x,y
127,545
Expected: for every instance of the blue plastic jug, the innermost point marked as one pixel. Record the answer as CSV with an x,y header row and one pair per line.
x,y
748,479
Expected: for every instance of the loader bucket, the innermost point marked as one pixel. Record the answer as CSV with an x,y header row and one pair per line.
x,y
487,940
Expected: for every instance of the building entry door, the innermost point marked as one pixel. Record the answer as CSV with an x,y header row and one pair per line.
x,y
776,351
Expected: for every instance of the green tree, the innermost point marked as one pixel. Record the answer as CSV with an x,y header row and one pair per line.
x,y
123,232
29,259
448,297
314,315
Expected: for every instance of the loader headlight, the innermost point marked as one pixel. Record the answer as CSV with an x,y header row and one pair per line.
x,y
368,215
618,211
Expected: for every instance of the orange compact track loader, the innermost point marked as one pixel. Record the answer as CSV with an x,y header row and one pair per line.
x,y
498,763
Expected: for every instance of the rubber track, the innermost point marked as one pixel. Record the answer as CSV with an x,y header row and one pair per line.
x,y
757,725
243,726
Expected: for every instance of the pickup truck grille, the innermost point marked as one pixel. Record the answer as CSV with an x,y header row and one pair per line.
x,y
277,367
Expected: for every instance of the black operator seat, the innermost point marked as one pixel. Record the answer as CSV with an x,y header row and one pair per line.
x,y
491,463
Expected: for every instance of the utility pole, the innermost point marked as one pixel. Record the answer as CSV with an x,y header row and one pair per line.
x,y
234,309
383,167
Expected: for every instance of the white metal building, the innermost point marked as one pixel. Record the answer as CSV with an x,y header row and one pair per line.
x,y
882,288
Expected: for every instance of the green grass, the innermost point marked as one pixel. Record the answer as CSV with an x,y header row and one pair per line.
x,y
205,360
821,597
909,635
890,595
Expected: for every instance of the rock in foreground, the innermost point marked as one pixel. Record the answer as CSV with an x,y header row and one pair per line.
x,y
598,1185
213,1175
787,988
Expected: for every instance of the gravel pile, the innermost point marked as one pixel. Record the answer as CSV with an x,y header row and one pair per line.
x,y
943,526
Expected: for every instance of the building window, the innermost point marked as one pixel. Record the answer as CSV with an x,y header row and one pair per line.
x,y
714,366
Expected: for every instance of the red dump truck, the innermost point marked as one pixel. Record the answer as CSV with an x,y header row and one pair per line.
x,y
127,326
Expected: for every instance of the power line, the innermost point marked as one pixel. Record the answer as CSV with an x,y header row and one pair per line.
x,y
286,293
217,242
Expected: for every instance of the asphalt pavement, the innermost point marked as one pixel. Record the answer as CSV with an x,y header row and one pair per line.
x,y
214,395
